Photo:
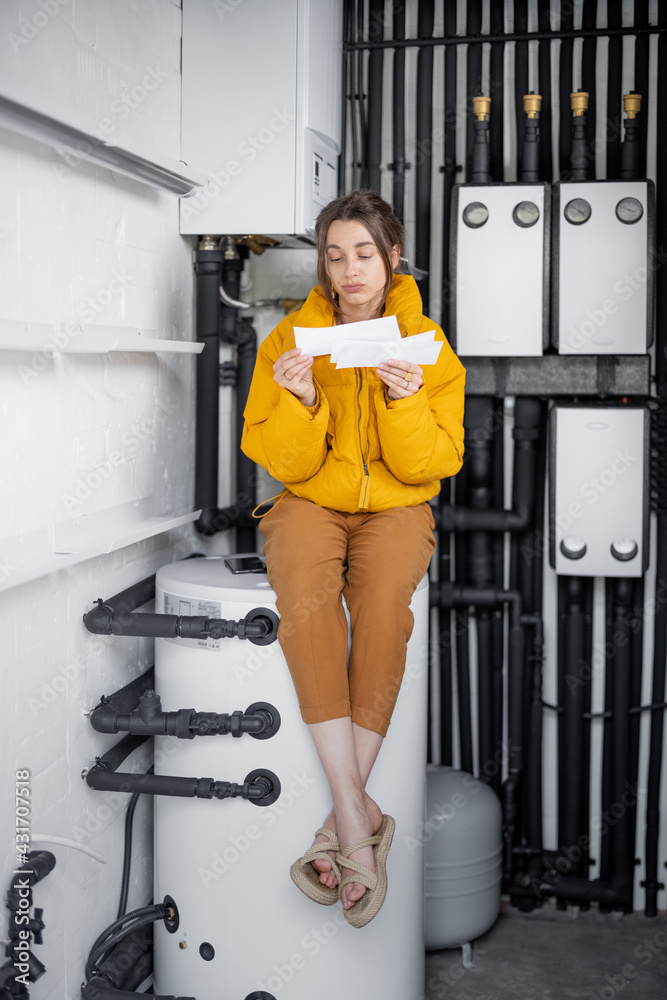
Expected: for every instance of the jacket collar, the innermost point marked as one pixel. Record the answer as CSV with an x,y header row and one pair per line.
x,y
403,301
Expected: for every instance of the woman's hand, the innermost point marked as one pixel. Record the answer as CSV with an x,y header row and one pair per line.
x,y
293,371
393,373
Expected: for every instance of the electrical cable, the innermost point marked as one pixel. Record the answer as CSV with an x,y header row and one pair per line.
x,y
116,931
127,854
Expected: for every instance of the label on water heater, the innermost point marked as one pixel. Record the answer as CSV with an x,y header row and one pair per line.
x,y
174,604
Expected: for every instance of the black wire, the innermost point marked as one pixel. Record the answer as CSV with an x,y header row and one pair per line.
x,y
116,931
125,881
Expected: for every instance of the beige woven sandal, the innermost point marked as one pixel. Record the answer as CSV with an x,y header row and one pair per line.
x,y
307,878
369,905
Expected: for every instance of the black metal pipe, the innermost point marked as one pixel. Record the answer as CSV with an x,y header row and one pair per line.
x,y
631,151
511,788
259,720
480,160
572,736
659,479
530,572
473,85
36,866
565,86
424,151
530,159
360,95
399,164
641,77
614,91
497,92
457,518
520,69
349,63
589,75
241,334
116,616
375,102
246,477
448,170
208,267
261,787
486,703
579,156
544,86
567,34
480,574
619,661
581,890
101,621
454,595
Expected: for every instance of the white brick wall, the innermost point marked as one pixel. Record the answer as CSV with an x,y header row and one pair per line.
x,y
83,433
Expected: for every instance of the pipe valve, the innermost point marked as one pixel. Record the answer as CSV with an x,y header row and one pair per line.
x,y
481,107
632,104
532,104
579,103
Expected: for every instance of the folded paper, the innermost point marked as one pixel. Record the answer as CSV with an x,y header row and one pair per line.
x,y
366,344
317,340
353,354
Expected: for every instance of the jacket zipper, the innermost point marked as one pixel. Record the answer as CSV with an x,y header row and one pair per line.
x,y
366,481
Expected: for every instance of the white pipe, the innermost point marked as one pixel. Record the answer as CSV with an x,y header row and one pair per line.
x,y
234,303
48,838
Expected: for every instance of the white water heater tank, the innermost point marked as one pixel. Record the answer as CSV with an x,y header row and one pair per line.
x,y
244,930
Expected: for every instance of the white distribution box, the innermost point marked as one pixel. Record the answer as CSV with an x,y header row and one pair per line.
x,y
499,269
599,490
603,267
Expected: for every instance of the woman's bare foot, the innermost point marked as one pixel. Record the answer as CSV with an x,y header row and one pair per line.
x,y
356,822
325,868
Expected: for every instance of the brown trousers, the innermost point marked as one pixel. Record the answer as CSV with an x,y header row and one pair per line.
x,y
376,560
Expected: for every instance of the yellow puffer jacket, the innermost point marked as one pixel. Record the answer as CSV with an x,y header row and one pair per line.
x,y
324,452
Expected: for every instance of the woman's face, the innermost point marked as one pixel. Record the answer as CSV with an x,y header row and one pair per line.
x,y
356,269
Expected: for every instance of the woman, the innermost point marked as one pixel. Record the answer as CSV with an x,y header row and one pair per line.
x,y
360,452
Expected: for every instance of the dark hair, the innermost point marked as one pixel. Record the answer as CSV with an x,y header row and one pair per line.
x,y
376,215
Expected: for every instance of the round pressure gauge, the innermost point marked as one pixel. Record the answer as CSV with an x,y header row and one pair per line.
x,y
526,214
573,547
624,548
629,210
577,211
475,214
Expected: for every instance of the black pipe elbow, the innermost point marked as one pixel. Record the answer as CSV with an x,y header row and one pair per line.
x,y
99,619
38,866
206,522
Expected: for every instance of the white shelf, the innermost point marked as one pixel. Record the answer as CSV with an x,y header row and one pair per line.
x,y
28,557
19,113
74,338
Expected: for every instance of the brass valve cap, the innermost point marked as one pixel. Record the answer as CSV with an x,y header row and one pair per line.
x,y
481,107
579,102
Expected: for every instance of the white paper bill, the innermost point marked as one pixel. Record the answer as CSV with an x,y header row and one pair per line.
x,y
421,349
317,340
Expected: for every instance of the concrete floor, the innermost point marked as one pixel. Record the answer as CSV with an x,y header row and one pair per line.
x,y
553,954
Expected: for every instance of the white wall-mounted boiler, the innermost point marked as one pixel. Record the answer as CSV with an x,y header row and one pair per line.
x,y
261,95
